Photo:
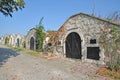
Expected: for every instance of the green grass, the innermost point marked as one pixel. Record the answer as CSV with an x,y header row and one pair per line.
x,y
33,53
30,52
114,75
18,49
108,73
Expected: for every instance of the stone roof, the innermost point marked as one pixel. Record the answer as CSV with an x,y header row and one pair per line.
x,y
105,20
30,31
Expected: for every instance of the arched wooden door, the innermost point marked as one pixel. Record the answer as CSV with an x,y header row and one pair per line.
x,y
73,46
32,43
18,42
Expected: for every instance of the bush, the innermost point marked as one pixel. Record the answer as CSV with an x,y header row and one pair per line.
x,y
110,41
114,64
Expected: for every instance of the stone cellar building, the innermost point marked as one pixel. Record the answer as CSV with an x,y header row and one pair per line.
x,y
14,40
79,38
19,40
30,39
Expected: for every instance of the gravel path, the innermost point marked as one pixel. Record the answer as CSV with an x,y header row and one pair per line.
x,y
21,66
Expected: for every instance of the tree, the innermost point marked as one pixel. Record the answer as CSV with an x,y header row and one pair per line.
x,y
7,7
40,35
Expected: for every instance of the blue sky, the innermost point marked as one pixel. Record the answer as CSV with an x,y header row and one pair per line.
x,y
55,13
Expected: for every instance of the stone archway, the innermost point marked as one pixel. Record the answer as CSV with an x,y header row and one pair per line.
x,y
73,46
32,42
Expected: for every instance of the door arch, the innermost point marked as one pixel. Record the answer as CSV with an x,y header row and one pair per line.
x,y
73,46
32,42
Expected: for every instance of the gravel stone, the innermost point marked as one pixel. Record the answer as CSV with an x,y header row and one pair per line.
x,y
20,66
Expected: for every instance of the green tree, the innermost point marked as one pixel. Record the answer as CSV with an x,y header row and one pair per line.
x,y
7,7
40,35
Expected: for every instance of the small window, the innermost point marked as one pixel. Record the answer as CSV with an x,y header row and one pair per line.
x,y
93,41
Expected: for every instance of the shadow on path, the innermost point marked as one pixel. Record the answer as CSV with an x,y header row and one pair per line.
x,y
6,53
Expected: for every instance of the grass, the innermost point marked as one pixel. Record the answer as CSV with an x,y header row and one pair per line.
x,y
30,52
18,49
33,53
108,73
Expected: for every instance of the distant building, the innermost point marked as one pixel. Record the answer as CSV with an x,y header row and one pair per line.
x,y
31,39
2,40
14,40
19,40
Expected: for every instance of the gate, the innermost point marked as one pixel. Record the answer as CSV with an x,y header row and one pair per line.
x,y
18,42
32,43
73,46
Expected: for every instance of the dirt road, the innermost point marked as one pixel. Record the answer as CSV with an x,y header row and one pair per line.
x,y
20,66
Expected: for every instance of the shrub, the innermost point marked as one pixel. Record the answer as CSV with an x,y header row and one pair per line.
x,y
110,41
